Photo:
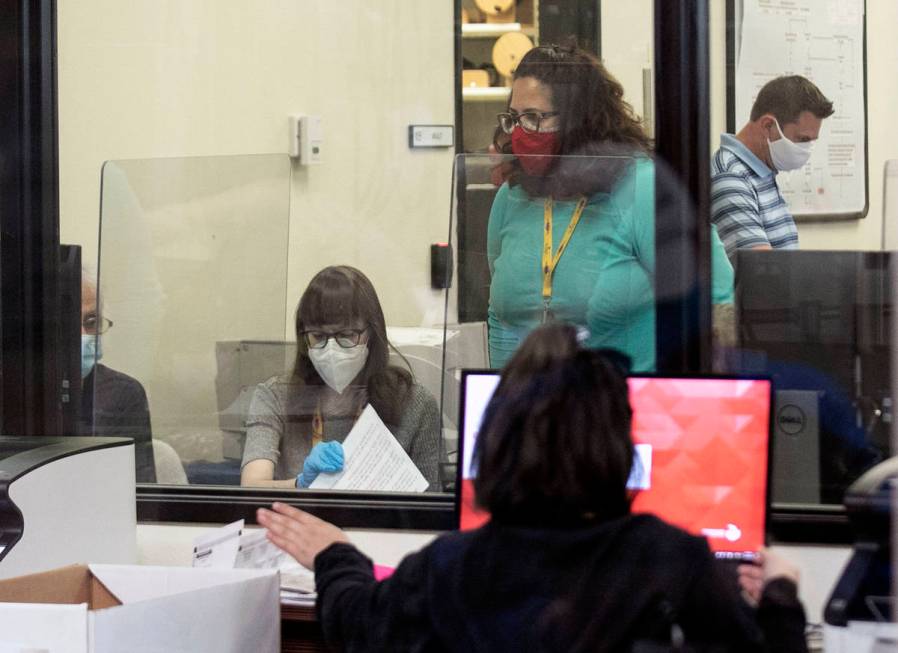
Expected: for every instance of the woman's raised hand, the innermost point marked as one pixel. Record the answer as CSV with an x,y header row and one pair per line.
x,y
298,533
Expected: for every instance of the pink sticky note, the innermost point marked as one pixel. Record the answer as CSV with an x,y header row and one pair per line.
x,y
382,571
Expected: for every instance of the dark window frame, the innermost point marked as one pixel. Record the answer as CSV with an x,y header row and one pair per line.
x,y
30,387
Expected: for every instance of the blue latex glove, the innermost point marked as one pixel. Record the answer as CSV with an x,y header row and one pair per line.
x,y
324,457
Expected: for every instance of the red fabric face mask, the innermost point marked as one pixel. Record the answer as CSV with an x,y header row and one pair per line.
x,y
535,151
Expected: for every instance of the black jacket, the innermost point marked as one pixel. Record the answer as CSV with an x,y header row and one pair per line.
x,y
625,585
115,405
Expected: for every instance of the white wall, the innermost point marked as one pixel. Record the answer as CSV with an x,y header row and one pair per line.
x,y
628,47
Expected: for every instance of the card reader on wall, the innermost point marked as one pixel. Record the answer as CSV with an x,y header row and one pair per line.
x,y
66,500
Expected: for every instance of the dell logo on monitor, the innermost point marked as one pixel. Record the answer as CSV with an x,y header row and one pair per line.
x,y
790,419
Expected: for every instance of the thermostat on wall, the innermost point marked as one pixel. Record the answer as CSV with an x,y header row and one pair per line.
x,y
306,139
431,136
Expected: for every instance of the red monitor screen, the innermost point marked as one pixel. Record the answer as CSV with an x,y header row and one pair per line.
x,y
702,454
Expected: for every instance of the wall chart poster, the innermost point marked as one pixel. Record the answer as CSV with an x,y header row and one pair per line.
x,y
822,40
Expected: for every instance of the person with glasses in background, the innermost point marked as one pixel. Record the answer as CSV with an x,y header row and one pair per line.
x,y
113,404
571,232
296,423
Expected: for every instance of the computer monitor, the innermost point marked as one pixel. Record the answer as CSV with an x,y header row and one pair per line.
x,y
703,444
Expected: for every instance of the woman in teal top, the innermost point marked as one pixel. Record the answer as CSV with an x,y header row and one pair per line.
x,y
603,255
604,279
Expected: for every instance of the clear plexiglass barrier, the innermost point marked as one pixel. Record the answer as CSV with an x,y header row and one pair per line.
x,y
207,361
192,267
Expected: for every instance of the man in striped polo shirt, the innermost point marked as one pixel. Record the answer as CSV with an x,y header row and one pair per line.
x,y
746,204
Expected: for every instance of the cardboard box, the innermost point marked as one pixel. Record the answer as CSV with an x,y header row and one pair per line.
x,y
141,609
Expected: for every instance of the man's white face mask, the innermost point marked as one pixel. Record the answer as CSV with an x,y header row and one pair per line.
x,y
338,366
786,154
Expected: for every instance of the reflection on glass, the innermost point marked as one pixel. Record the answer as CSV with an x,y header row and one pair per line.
x,y
820,324
297,421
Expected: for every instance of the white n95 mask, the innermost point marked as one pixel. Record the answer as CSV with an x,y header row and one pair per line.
x,y
338,366
786,154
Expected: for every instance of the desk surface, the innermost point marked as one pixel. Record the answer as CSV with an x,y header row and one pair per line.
x,y
300,632
298,613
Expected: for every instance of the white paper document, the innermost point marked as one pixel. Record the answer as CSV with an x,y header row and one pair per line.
x,y
230,547
218,547
373,461
257,552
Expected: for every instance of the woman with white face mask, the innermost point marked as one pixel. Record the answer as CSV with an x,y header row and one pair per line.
x,y
297,422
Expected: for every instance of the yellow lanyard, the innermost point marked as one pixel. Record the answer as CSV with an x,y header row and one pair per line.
x,y
550,262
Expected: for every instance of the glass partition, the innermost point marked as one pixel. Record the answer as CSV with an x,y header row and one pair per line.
x,y
814,289
192,269
230,347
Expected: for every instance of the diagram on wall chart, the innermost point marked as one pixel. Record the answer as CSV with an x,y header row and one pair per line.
x,y
822,40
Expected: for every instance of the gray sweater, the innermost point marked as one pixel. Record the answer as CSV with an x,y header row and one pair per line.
x,y
279,428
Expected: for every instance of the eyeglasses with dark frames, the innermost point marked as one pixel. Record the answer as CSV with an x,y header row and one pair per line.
x,y
95,325
345,338
529,121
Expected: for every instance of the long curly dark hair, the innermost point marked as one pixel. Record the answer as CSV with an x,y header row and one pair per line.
x,y
594,121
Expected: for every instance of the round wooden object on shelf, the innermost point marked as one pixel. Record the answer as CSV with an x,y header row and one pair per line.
x,y
497,11
508,51
475,78
494,7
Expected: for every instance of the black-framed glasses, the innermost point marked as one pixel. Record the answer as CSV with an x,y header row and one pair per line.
x,y
529,120
346,338
93,325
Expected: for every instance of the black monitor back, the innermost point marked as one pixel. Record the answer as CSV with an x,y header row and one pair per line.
x,y
821,321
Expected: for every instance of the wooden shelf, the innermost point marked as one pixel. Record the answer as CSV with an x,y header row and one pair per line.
x,y
487,30
494,30
488,94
